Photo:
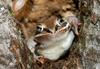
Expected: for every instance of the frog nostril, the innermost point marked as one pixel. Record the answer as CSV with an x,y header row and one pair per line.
x,y
64,24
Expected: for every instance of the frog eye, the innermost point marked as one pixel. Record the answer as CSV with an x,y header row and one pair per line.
x,y
40,28
61,22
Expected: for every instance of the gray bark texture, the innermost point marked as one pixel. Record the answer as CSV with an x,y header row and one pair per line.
x,y
85,53
7,30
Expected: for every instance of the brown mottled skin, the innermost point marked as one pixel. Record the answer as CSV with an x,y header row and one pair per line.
x,y
45,13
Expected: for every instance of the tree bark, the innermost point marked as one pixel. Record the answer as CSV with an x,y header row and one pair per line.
x,y
15,54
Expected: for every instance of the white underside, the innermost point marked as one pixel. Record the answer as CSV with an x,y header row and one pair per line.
x,y
58,48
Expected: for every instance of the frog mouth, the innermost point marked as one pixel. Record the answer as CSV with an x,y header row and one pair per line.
x,y
53,45
48,37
